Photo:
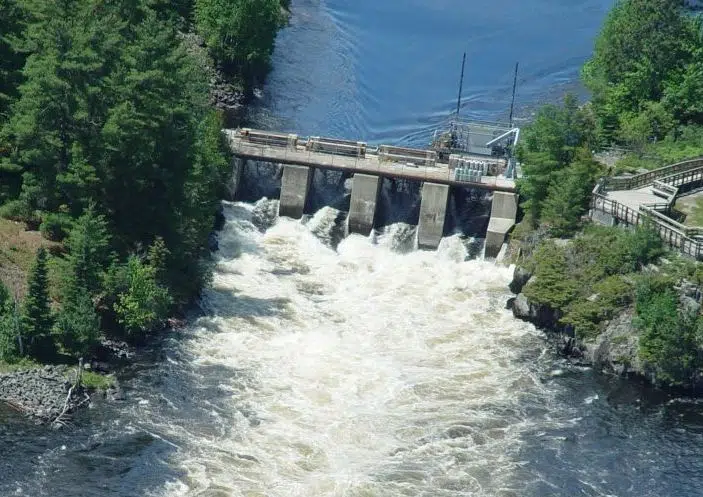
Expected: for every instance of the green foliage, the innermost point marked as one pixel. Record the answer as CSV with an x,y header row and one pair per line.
x,y
588,280
17,210
10,327
653,122
240,33
585,315
78,325
645,70
644,245
113,114
568,196
144,303
20,364
95,381
683,142
602,251
108,144
37,319
552,285
558,137
12,23
669,339
88,247
55,226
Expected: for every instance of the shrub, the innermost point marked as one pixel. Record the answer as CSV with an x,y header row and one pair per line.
x,y
143,306
586,314
670,338
18,210
55,227
10,328
644,245
552,285
78,325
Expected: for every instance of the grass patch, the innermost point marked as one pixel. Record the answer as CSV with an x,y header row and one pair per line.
x,y
692,207
18,248
21,365
93,380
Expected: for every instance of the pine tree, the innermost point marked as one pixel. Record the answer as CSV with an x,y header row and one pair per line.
x,y
240,34
78,325
549,145
10,327
88,247
568,195
12,22
37,319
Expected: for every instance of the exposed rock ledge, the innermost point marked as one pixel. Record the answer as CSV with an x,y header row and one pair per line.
x,y
615,350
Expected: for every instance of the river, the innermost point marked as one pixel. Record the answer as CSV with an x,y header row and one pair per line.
x,y
355,367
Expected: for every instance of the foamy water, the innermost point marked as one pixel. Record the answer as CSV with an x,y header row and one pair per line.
x,y
364,372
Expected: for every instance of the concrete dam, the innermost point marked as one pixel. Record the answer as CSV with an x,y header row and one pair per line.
x,y
367,166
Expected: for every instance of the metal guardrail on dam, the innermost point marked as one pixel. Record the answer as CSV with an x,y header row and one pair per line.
x,y
368,166
358,157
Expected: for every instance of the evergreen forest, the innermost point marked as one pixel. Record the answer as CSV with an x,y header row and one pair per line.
x,y
111,161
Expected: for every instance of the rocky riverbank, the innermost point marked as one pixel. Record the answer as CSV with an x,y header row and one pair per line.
x,y
42,393
224,95
615,350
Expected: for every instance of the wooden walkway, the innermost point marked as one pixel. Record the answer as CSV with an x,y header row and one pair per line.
x,y
371,163
650,196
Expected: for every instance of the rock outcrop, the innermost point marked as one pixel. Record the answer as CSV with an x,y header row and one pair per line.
x,y
614,350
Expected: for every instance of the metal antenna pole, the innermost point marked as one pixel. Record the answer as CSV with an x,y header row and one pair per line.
x,y
461,84
512,104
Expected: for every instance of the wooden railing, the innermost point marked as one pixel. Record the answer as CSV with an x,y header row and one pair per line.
x,y
644,179
688,240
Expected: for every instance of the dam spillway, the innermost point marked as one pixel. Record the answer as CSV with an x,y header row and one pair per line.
x,y
368,166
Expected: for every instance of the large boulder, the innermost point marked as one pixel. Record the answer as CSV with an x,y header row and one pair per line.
x,y
540,315
616,349
520,278
521,307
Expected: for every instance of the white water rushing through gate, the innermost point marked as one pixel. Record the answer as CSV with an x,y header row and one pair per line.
x,y
365,372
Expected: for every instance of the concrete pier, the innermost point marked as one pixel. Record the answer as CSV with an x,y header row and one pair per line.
x,y
503,217
232,187
433,211
362,210
295,184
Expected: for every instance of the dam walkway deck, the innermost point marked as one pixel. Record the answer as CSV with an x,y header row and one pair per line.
x,y
374,161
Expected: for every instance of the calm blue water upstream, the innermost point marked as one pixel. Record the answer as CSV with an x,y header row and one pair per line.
x,y
364,370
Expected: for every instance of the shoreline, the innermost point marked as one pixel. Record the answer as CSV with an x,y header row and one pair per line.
x,y
613,352
44,393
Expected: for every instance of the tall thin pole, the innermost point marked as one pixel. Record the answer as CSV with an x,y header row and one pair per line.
x,y
461,84
512,104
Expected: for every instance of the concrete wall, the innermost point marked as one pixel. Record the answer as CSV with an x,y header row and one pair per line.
x,y
362,210
232,186
503,216
433,212
295,184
